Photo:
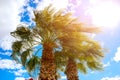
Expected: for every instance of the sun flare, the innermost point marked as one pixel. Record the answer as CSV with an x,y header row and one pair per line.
x,y
105,14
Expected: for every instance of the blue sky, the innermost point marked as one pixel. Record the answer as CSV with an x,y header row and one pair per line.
x,y
104,13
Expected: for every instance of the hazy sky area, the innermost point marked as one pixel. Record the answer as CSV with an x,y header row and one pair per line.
x,y
102,13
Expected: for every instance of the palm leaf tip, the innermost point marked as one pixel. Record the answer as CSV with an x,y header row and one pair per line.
x,y
95,65
82,67
24,56
32,63
16,46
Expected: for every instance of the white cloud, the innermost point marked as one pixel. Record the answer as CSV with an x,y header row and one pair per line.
x,y
117,55
19,78
12,67
36,1
9,64
111,78
63,77
9,16
107,64
9,10
95,1
20,72
6,53
65,4
56,3
6,42
100,10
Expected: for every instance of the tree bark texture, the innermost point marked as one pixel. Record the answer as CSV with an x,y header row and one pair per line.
x,y
71,70
48,66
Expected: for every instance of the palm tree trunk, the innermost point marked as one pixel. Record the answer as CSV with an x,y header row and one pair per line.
x,y
71,70
48,67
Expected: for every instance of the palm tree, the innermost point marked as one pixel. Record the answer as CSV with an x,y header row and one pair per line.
x,y
82,52
51,31
85,58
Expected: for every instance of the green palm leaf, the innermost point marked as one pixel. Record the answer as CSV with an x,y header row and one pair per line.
x,y
16,47
32,63
22,32
25,55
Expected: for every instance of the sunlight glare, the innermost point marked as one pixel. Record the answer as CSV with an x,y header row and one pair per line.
x,y
55,3
106,14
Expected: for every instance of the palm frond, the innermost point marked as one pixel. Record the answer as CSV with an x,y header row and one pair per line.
x,y
22,32
60,60
16,56
82,67
32,63
16,46
95,65
24,56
